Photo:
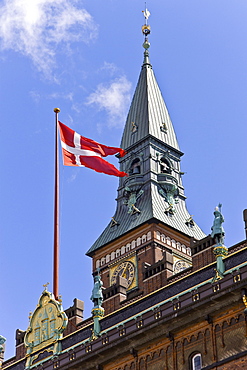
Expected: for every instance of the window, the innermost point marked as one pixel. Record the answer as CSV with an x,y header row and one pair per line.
x,y
163,238
173,243
108,258
196,362
97,264
183,248
165,166
135,167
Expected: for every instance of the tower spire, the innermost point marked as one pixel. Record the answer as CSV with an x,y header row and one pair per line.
x,y
153,192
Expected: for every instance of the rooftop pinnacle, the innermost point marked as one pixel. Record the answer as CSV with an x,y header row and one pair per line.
x,y
146,31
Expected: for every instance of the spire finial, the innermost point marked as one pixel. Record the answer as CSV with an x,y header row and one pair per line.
x,y
146,31
146,28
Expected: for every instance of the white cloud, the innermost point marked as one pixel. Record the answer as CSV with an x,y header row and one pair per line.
x,y
109,67
35,28
68,96
36,96
114,98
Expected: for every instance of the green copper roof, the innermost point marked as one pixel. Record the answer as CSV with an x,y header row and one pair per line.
x,y
148,111
154,187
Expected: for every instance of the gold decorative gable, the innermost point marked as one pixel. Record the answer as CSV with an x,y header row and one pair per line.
x,y
46,326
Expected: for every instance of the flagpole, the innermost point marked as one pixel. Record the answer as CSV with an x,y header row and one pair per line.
x,y
56,212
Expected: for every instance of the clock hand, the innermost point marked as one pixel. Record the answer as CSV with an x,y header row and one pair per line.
x,y
124,270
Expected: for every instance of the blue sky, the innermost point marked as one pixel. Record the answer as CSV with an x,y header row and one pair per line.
x,y
85,57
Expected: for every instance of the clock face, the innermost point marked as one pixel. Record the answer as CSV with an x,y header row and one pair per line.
x,y
180,266
126,270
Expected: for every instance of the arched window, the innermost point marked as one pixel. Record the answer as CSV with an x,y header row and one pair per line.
x,y
173,243
97,264
183,248
165,166
108,258
196,361
135,167
163,238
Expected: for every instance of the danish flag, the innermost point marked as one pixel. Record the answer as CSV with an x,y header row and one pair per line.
x,y
80,151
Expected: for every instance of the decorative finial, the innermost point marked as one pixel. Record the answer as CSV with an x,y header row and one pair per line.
x,y
60,299
146,28
146,31
146,13
30,315
45,286
56,110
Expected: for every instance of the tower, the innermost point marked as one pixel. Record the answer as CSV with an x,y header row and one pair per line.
x,y
148,239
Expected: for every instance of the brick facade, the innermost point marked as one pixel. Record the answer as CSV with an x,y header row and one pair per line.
x,y
165,328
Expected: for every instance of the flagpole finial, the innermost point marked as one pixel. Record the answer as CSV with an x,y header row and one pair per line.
x,y
56,110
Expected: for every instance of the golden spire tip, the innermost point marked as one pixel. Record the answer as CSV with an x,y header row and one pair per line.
x,y
56,110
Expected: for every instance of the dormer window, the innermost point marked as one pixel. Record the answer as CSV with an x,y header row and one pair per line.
x,y
135,167
165,166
